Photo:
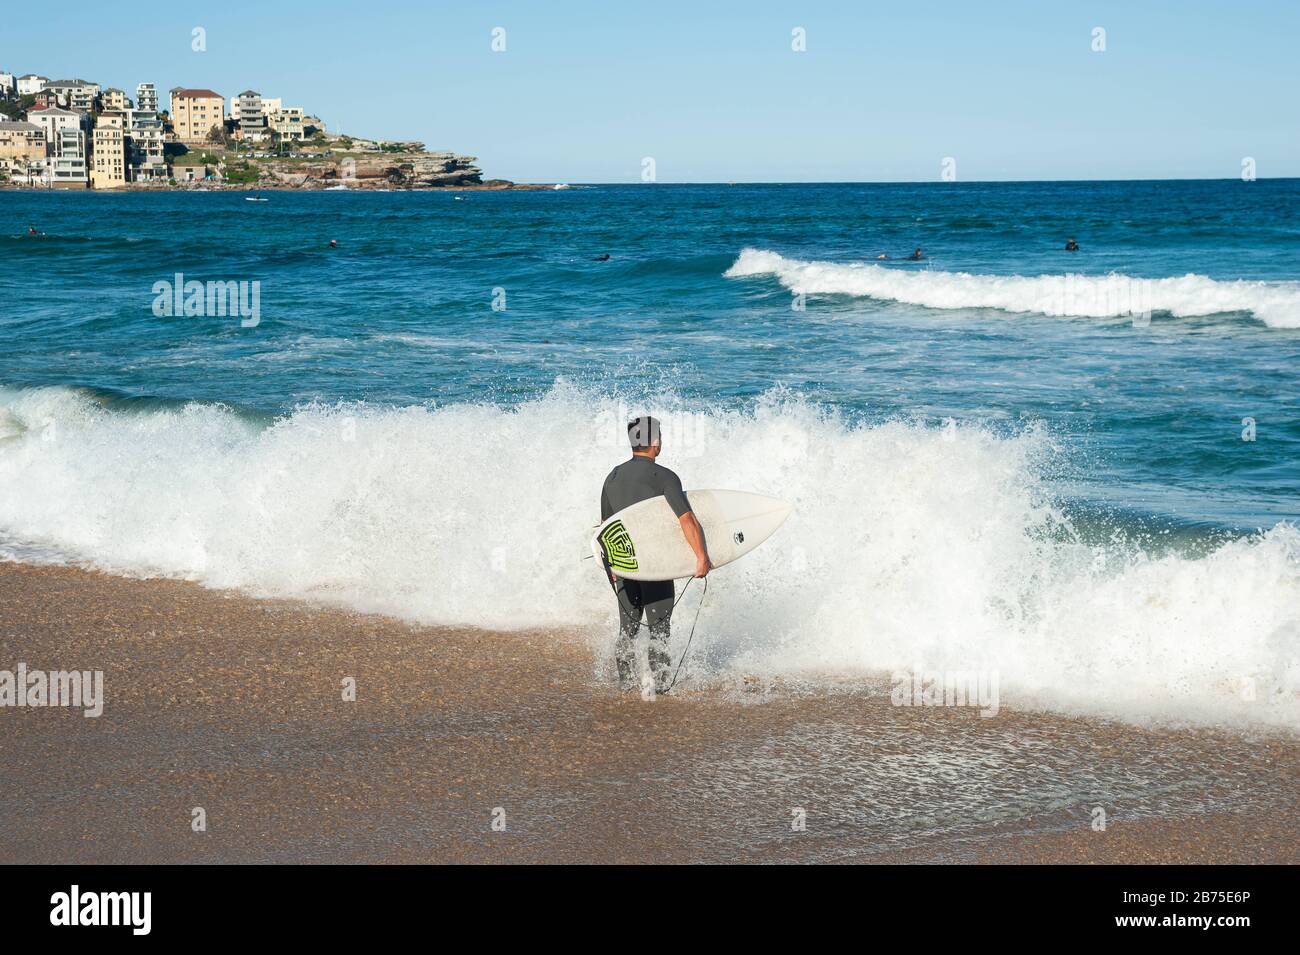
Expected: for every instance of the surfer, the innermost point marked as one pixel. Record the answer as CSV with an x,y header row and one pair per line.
x,y
882,256
334,243
603,257
915,256
31,230
639,479
1071,245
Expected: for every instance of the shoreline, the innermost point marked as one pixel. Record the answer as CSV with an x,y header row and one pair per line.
x,y
222,701
324,186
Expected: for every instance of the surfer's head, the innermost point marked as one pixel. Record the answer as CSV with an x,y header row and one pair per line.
x,y
643,434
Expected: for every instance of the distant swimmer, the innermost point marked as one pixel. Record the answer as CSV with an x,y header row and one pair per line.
x,y
915,256
1071,245
31,230
882,256
601,258
334,243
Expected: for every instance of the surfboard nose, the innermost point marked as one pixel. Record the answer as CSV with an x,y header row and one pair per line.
x,y
767,506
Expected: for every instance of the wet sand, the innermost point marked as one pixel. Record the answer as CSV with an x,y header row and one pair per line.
x,y
232,704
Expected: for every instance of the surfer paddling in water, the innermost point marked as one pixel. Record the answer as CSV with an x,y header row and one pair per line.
x,y
639,479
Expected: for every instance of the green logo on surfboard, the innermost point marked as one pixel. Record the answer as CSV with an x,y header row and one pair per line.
x,y
617,545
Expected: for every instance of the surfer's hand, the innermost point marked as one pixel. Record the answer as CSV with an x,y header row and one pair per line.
x,y
702,566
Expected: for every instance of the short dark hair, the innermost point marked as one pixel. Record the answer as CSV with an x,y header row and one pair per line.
x,y
643,432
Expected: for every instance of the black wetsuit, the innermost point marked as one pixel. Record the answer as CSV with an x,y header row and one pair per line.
x,y
640,479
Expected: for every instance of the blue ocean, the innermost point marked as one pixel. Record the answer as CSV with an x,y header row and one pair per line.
x,y
1078,469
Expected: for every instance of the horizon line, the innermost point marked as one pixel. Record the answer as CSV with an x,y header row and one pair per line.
x,y
894,182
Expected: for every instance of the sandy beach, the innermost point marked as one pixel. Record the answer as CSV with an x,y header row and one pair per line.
x,y
235,705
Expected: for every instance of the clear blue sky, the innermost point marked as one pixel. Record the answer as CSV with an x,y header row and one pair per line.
x,y
711,89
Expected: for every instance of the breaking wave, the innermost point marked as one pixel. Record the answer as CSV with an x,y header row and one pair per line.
x,y
1276,304
910,546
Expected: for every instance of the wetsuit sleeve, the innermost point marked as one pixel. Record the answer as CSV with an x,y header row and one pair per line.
x,y
673,491
606,509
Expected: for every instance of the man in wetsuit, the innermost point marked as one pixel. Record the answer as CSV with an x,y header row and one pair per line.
x,y
639,479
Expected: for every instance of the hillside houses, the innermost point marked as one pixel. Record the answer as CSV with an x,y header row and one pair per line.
x,y
75,134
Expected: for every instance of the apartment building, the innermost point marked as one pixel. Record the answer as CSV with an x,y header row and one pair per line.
x,y
260,116
144,146
54,120
108,152
74,94
8,85
146,97
21,140
68,165
114,100
195,112
30,84
22,149
252,119
288,123
264,105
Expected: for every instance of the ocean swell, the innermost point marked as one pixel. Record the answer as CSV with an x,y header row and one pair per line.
x,y
1276,304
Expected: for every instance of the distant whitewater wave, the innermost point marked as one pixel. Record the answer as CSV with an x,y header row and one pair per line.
x,y
1277,304
910,546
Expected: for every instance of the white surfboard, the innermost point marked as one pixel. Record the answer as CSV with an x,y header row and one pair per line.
x,y
645,541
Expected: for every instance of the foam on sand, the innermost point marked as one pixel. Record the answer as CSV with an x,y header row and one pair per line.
x,y
909,546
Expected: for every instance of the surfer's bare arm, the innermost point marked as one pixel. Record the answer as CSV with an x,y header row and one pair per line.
x,y
695,537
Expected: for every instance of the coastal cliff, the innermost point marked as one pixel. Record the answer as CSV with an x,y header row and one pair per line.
x,y
420,170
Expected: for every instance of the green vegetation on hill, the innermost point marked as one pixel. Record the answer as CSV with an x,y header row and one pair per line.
x,y
14,109
241,173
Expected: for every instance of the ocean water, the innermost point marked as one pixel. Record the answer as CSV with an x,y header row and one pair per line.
x,y
1079,470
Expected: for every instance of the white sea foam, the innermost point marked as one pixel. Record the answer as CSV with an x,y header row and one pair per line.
x,y
1277,304
909,546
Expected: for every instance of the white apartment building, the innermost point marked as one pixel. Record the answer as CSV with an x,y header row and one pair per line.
x,y
146,97
31,84
266,105
68,166
54,121
74,94
267,114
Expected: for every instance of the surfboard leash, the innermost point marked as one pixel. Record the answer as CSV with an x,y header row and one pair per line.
x,y
698,608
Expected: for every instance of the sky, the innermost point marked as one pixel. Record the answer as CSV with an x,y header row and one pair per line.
x,y
712,90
